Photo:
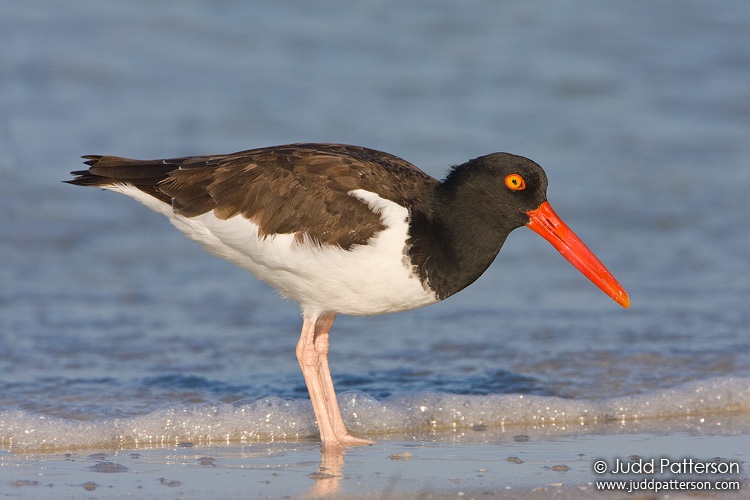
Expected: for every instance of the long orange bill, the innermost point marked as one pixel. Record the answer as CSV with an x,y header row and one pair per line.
x,y
545,222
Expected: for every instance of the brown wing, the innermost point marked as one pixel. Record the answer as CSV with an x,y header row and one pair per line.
x,y
299,188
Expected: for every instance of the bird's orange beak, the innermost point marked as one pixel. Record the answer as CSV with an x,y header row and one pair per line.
x,y
545,222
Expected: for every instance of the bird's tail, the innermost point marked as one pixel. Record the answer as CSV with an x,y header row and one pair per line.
x,y
107,171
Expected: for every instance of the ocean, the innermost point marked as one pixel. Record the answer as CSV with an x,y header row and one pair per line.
x,y
115,331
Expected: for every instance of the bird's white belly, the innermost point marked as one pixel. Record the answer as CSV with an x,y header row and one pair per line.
x,y
374,278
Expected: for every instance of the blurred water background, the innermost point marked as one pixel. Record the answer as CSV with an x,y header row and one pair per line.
x,y
115,329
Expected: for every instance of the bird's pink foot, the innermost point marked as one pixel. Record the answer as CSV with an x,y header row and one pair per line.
x,y
346,439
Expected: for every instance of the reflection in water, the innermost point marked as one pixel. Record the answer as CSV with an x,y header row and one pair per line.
x,y
328,476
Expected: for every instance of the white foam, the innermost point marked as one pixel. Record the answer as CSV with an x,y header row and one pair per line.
x,y
410,414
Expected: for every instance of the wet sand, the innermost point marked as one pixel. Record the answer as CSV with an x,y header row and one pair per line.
x,y
516,466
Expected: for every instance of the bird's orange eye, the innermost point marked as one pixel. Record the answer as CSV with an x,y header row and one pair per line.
x,y
515,182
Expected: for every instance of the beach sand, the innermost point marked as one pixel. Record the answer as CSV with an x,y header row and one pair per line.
x,y
498,465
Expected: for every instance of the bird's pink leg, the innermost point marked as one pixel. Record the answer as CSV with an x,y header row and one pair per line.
x,y
322,327
312,353
309,361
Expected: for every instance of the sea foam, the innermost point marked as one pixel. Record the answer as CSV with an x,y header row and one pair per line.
x,y
402,416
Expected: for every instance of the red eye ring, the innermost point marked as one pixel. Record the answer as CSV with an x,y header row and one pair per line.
x,y
515,182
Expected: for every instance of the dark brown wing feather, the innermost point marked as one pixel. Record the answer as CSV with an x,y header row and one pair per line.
x,y
299,188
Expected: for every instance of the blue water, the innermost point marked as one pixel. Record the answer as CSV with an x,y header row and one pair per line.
x,y
115,329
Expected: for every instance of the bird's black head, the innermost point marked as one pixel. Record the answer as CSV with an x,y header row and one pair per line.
x,y
475,208
499,188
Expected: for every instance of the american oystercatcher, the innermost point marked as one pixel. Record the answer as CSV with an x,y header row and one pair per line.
x,y
348,230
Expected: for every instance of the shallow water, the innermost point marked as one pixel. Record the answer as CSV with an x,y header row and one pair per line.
x,y
116,330
557,467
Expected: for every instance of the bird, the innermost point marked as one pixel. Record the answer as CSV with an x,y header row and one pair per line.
x,y
348,230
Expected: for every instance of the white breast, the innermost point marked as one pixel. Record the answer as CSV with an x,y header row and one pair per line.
x,y
368,279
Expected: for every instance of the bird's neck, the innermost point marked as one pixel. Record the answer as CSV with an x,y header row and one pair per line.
x,y
453,242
